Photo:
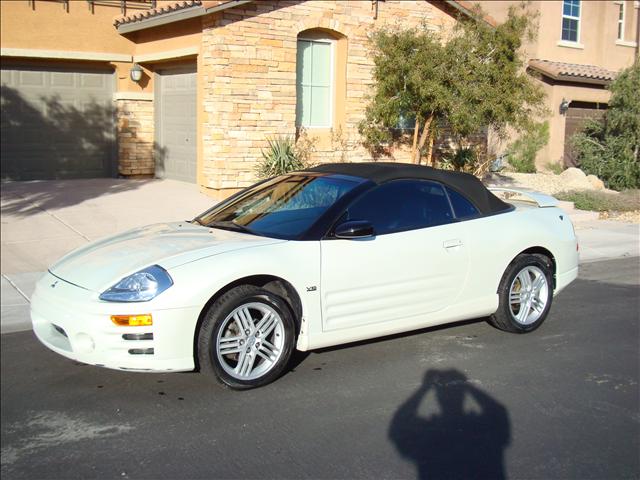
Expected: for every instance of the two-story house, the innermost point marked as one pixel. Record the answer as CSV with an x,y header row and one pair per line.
x,y
579,49
188,89
192,89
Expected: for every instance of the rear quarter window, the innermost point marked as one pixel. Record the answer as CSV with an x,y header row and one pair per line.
x,y
462,207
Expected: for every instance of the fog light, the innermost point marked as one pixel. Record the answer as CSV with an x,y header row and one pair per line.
x,y
132,320
83,343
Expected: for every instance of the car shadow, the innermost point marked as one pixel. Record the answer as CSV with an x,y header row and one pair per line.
x,y
394,336
465,439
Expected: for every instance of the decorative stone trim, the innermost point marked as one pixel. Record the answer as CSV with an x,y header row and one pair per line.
x,y
626,43
65,55
136,146
168,55
564,43
142,96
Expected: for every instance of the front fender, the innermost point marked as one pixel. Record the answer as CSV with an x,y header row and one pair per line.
x,y
297,262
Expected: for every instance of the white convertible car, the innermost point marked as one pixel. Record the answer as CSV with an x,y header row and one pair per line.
x,y
331,255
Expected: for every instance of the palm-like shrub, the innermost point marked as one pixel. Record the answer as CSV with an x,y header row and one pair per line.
x,y
279,158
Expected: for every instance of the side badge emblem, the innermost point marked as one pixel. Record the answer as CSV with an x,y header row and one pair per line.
x,y
311,289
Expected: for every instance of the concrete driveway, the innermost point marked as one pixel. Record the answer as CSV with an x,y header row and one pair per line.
x,y
41,221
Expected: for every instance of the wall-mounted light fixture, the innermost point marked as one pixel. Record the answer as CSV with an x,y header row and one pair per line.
x,y
564,106
136,72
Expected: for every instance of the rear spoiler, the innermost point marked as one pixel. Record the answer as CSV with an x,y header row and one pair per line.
x,y
541,199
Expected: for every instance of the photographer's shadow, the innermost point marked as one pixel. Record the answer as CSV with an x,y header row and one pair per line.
x,y
466,439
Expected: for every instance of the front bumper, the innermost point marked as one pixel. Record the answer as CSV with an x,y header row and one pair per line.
x,y
73,322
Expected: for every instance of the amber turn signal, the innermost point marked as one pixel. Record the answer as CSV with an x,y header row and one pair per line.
x,y
132,320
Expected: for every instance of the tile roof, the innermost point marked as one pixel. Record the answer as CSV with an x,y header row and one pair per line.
x,y
465,7
573,71
167,7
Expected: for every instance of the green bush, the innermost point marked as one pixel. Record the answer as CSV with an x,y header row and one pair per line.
x,y
610,148
280,157
598,201
463,159
521,154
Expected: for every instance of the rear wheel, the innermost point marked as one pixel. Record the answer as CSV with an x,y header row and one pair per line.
x,y
526,294
246,338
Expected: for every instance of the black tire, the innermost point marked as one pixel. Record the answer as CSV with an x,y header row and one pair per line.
x,y
214,320
504,318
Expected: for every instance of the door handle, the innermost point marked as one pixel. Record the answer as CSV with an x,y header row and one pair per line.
x,y
456,242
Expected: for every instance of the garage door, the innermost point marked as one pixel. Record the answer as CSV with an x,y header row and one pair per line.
x,y
575,118
56,123
175,101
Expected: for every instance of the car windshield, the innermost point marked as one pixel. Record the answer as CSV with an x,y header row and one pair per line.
x,y
284,207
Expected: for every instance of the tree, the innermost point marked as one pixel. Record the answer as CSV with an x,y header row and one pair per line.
x,y
470,80
610,148
408,73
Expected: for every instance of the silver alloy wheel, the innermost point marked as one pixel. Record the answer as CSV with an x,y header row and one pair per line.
x,y
250,341
528,295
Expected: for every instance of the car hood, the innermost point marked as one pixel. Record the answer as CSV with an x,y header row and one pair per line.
x,y
99,265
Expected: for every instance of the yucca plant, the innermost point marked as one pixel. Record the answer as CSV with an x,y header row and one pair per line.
x,y
280,157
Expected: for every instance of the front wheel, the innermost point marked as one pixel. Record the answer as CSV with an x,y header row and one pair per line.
x,y
525,294
246,338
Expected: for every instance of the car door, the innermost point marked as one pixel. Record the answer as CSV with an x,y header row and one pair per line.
x,y
415,263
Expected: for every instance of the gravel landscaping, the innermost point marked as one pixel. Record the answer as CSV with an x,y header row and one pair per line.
x,y
572,180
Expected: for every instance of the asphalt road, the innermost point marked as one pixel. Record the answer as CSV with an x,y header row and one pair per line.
x,y
461,401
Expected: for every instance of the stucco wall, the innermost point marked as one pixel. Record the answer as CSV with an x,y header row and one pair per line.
x,y
597,44
248,70
554,151
48,26
598,33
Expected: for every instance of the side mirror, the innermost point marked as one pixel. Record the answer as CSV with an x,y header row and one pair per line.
x,y
354,229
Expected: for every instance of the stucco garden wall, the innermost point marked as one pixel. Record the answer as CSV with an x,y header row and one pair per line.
x,y
248,74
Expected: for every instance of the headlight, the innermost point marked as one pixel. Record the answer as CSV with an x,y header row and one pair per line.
x,y
141,286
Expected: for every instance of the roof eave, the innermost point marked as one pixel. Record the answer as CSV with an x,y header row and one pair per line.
x,y
200,11
470,13
176,16
571,78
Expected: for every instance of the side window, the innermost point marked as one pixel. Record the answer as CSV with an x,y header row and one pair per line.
x,y
402,205
571,20
313,83
462,207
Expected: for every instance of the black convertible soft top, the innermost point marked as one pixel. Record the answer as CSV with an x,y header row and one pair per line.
x,y
380,172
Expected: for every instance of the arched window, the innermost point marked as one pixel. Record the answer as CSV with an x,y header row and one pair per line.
x,y
315,79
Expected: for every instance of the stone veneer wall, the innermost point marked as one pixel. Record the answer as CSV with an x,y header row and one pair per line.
x,y
248,70
135,137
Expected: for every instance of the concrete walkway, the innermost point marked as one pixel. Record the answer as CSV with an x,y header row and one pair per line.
x,y
41,221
